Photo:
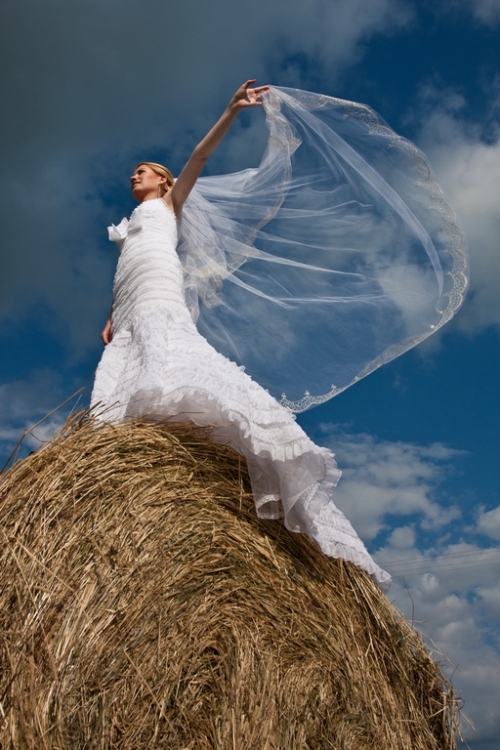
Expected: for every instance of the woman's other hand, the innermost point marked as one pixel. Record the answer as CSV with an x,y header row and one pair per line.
x,y
107,334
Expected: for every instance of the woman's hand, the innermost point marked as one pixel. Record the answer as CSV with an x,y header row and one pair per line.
x,y
107,334
247,97
243,98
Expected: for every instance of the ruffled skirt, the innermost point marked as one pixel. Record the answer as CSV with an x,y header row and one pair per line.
x,y
159,367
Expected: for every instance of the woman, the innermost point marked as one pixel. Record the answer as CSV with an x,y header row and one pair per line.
x,y
157,364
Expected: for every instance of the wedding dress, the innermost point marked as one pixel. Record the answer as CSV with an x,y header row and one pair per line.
x,y
337,254
158,366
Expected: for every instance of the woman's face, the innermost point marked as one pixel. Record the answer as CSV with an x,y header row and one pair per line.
x,y
144,183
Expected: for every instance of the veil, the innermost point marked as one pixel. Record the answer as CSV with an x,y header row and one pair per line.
x,y
337,254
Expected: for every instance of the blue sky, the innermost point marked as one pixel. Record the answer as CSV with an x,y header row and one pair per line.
x,y
92,86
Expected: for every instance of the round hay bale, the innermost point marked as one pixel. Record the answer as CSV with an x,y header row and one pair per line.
x,y
144,605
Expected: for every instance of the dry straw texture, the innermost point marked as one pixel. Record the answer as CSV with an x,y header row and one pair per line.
x,y
144,605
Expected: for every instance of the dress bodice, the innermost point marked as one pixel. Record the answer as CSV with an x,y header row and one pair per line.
x,y
149,273
154,214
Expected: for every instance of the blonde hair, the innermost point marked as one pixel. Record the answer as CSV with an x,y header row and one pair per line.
x,y
162,171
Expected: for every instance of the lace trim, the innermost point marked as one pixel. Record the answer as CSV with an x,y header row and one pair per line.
x,y
307,400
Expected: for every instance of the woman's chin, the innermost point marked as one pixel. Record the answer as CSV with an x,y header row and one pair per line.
x,y
138,194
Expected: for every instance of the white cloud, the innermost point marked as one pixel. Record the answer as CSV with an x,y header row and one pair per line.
x,y
448,586
468,168
381,478
45,431
488,522
456,605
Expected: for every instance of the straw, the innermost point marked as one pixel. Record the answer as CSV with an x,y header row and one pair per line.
x,y
144,605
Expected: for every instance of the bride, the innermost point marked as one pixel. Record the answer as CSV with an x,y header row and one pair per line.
x,y
300,281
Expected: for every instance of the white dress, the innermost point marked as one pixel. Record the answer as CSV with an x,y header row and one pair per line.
x,y
158,366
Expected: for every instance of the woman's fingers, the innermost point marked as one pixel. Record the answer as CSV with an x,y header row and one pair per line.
x,y
258,92
107,334
249,97
256,89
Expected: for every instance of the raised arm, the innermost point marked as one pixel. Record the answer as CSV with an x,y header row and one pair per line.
x,y
243,98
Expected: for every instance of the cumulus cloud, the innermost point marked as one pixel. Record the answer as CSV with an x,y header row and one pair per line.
x,y
488,522
454,599
467,165
445,576
382,479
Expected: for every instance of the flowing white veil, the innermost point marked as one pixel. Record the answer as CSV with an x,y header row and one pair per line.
x,y
337,254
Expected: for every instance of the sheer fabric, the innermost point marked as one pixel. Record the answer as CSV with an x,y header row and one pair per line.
x,y
337,254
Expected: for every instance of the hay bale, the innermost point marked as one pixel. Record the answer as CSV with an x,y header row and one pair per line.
x,y
144,605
